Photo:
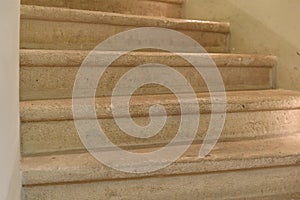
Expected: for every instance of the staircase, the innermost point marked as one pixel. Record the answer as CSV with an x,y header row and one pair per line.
x,y
258,153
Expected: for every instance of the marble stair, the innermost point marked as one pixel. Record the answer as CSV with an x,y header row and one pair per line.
x,y
258,153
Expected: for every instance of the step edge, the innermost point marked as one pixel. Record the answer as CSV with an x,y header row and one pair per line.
x,y
237,101
32,12
279,156
71,58
180,2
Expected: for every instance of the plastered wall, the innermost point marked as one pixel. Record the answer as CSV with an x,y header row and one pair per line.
x,y
259,26
9,101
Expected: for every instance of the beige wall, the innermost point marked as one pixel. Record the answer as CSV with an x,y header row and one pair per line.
x,y
259,26
9,100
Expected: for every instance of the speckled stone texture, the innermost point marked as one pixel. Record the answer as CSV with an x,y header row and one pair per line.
x,y
257,156
254,168
50,74
48,127
163,8
268,184
59,28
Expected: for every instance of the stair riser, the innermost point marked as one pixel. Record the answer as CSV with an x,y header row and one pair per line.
x,y
61,136
137,7
57,82
273,183
51,74
39,34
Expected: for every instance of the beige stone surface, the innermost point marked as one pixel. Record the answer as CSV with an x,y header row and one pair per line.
x,y
49,74
257,157
47,126
62,137
259,26
74,58
164,8
262,184
226,156
59,28
237,101
178,191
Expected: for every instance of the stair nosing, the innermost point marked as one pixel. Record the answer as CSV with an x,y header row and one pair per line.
x,y
97,17
180,2
237,101
228,156
71,58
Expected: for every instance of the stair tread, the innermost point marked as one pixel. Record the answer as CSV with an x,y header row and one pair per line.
x,y
97,17
237,101
71,58
164,8
226,156
166,1
171,1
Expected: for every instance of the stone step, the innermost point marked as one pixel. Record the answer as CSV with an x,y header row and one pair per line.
x,y
48,127
256,169
61,28
50,74
163,8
